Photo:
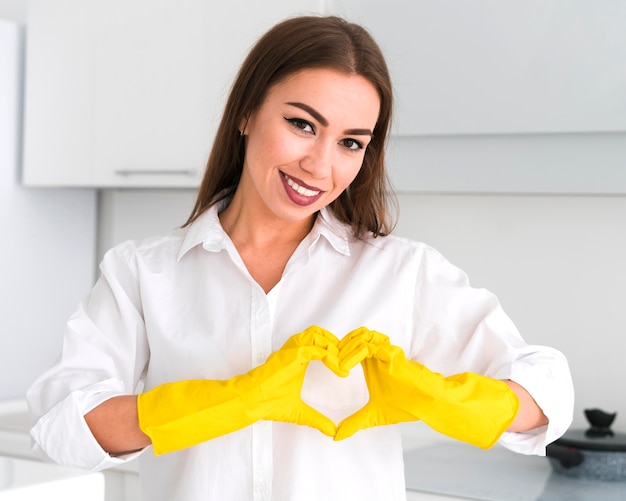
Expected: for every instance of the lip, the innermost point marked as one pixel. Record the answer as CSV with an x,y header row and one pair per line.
x,y
294,196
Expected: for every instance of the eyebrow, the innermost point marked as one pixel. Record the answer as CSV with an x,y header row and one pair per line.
x,y
320,118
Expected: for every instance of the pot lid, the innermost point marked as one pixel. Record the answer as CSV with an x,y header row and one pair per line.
x,y
598,436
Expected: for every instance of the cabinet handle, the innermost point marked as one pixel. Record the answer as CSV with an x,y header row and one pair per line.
x,y
155,172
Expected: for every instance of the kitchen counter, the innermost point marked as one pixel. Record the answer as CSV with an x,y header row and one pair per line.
x,y
25,480
437,469
27,470
23,477
437,465
122,483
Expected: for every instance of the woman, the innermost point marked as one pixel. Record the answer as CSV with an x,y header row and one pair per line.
x,y
235,344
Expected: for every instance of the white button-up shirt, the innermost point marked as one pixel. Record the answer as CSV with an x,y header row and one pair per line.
x,y
183,306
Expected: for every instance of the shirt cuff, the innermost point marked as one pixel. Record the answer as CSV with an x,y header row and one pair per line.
x,y
551,387
63,436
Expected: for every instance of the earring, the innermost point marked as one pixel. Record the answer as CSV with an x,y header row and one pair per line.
x,y
243,129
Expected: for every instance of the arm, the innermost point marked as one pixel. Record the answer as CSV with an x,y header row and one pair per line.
x,y
469,407
177,415
115,425
529,415
104,354
474,334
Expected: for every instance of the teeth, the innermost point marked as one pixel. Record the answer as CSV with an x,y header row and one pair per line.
x,y
300,189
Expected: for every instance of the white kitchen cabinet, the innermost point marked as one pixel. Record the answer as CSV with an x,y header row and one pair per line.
x,y
493,67
123,93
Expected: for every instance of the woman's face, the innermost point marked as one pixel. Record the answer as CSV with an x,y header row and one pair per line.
x,y
306,142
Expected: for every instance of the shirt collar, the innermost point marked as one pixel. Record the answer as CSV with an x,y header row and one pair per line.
x,y
207,230
337,233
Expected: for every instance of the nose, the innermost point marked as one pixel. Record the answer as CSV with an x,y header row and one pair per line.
x,y
318,160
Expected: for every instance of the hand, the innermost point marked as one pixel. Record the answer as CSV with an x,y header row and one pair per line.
x,y
385,369
185,413
469,407
276,385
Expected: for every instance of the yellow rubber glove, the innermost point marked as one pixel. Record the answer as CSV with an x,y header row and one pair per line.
x,y
468,407
181,414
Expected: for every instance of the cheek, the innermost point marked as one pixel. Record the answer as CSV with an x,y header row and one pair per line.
x,y
275,148
345,174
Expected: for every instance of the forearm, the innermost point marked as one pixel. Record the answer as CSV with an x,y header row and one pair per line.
x,y
529,415
115,425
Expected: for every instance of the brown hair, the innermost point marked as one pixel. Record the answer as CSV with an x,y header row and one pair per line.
x,y
293,45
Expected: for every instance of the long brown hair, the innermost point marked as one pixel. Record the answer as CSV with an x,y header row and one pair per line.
x,y
290,46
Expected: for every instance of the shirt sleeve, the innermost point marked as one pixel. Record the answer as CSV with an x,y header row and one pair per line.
x,y
544,373
459,328
104,354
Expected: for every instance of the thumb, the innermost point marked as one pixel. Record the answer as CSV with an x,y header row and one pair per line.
x,y
308,416
332,362
362,419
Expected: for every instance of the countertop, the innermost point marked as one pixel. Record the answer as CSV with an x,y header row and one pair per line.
x,y
23,477
15,437
445,467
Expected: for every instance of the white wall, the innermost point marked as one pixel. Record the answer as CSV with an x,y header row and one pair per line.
x,y
135,214
48,246
556,263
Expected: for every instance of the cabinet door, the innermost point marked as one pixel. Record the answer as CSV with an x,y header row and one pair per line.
x,y
493,67
58,116
135,87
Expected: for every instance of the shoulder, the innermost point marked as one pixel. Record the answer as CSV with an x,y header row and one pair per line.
x,y
341,234
157,250
404,254
393,244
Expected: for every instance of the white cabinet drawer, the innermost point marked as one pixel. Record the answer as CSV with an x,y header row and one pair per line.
x,y
129,93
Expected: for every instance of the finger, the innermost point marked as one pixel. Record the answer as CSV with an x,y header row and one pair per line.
x,y
333,362
361,347
328,356
304,338
379,339
292,360
353,354
391,354
353,348
308,353
314,335
326,339
362,333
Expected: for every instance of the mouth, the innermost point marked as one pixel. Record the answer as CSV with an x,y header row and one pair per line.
x,y
299,189
299,193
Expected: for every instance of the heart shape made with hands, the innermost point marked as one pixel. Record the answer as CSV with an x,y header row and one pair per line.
x,y
336,395
467,406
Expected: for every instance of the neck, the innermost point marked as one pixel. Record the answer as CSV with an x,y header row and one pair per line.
x,y
256,228
264,242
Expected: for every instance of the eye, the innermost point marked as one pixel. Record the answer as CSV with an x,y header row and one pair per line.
x,y
301,124
352,144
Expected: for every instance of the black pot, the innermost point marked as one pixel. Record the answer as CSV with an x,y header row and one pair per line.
x,y
597,453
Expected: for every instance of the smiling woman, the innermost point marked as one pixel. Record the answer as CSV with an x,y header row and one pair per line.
x,y
304,147
286,264
344,49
